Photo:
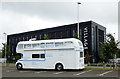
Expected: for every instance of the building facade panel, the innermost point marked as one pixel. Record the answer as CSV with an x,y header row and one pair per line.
x,y
91,34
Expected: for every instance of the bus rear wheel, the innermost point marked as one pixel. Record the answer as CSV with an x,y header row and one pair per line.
x,y
19,66
59,67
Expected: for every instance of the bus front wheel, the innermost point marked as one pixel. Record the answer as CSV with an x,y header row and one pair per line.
x,y
19,66
59,67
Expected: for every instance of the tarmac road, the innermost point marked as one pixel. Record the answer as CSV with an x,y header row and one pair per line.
x,y
13,72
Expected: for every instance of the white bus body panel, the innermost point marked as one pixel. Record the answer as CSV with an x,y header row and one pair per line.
x,y
68,57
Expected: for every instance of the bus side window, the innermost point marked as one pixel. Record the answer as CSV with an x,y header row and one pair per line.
x,y
20,46
81,54
35,56
42,55
27,45
35,45
38,55
21,55
51,44
68,43
42,45
80,44
58,44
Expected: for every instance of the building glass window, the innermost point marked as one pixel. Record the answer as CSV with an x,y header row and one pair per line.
x,y
93,38
67,34
61,34
35,36
27,38
44,35
31,37
55,35
16,40
19,39
9,41
12,41
73,33
40,36
80,34
12,49
23,38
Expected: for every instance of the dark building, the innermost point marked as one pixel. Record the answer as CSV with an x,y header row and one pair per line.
x,y
91,34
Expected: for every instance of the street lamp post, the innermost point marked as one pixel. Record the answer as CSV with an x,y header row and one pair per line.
x,y
78,19
5,47
114,35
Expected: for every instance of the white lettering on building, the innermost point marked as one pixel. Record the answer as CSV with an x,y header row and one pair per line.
x,y
86,38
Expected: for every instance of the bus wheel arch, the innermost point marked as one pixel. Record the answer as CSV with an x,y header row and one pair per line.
x,y
19,66
59,66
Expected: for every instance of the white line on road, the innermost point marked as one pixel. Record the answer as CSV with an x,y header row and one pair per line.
x,y
7,71
58,73
82,72
105,73
24,71
37,72
10,70
43,71
40,72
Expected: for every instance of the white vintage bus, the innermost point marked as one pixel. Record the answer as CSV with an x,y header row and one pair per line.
x,y
51,54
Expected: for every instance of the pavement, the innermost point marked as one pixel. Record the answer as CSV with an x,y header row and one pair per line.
x,y
13,72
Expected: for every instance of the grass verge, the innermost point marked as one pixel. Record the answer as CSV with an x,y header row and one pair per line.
x,y
8,66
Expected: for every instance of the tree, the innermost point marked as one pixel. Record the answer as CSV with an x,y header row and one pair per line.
x,y
17,57
104,52
103,56
87,57
118,54
7,51
46,37
109,48
12,59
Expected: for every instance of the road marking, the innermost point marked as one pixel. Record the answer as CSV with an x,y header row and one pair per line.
x,y
10,70
58,73
7,71
37,72
105,73
40,72
82,72
23,71
43,71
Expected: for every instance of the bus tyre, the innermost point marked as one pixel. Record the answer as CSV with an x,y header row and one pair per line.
x,y
59,67
19,66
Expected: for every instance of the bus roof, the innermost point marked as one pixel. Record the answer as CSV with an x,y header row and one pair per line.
x,y
51,40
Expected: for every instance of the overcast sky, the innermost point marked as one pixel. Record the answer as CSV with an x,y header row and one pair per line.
x,y
17,17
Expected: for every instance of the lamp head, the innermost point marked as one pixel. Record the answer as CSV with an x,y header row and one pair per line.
x,y
4,33
79,3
